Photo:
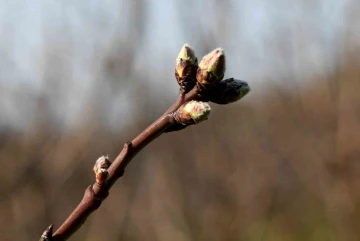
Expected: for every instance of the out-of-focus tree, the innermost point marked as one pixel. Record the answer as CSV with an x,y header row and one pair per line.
x,y
79,78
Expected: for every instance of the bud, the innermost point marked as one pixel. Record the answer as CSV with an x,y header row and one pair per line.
x,y
100,170
212,67
185,70
47,234
192,112
228,91
101,176
102,162
187,54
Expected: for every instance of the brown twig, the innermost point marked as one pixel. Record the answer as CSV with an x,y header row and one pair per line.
x,y
205,84
95,194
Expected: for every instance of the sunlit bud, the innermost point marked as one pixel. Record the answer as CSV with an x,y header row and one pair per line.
x,y
100,169
228,91
212,67
186,66
187,53
101,176
102,162
192,112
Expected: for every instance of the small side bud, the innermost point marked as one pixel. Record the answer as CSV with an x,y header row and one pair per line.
x,y
101,176
100,170
229,91
47,234
212,67
185,70
192,112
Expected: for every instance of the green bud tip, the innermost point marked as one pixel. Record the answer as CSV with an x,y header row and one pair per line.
x,y
198,111
214,62
186,53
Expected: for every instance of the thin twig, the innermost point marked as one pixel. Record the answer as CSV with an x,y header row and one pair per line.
x,y
201,84
95,194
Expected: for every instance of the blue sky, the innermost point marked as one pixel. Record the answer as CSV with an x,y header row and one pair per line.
x,y
261,39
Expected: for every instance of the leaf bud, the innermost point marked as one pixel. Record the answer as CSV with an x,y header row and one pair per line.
x,y
228,91
185,70
192,112
212,67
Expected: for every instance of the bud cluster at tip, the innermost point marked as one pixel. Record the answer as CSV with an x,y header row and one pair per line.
x,y
208,77
192,112
100,170
212,67
186,66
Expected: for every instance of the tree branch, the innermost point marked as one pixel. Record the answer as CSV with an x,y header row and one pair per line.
x,y
197,83
95,194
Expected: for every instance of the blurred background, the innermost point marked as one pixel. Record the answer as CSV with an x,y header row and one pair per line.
x,y
80,78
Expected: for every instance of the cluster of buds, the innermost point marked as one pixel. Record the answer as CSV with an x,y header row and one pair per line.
x,y
207,77
100,170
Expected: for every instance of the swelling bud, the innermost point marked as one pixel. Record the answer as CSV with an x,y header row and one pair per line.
x,y
192,112
185,69
212,67
187,54
100,170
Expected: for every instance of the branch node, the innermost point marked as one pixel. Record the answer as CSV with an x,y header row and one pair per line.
x,y
95,200
128,145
